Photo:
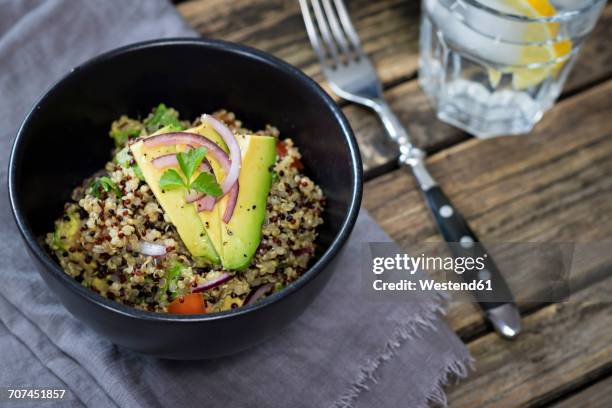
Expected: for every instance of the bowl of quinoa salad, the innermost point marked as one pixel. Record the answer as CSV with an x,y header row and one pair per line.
x,y
99,237
154,237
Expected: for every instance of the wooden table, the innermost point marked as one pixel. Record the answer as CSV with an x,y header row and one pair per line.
x,y
553,185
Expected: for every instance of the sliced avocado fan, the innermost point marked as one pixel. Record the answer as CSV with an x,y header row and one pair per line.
x,y
204,233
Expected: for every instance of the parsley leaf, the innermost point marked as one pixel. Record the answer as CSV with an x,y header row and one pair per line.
x,y
190,160
160,117
170,180
206,183
103,184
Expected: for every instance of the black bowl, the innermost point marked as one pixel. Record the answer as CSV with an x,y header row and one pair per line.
x,y
64,139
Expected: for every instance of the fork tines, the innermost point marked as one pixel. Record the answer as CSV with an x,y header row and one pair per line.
x,y
331,33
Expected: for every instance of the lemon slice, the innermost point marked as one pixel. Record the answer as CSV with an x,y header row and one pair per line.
x,y
541,54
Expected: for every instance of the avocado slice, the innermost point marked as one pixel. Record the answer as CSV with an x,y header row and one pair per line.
x,y
237,241
183,216
210,219
242,234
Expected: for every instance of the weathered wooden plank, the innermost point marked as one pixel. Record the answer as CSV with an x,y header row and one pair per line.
x,y
597,395
388,29
552,186
560,348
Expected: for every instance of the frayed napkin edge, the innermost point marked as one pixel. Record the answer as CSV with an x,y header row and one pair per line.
x,y
454,370
404,332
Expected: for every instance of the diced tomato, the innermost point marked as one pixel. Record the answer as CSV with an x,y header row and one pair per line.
x,y
281,149
297,164
192,303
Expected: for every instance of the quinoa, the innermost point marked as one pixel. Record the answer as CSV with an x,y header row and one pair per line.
x,y
97,238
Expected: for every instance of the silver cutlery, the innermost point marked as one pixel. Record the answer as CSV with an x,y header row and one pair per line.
x,y
352,76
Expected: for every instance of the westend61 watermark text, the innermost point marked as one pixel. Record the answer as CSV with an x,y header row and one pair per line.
x,y
431,285
534,271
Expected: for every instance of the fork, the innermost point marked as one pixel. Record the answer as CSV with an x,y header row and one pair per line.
x,y
352,76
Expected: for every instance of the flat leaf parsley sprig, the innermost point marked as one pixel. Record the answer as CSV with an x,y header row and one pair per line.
x,y
188,162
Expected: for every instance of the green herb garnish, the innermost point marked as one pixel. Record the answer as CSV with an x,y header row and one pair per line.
x,y
162,116
103,184
173,273
207,183
188,162
171,180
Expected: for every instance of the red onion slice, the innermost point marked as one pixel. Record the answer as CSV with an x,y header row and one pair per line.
x,y
192,196
231,203
205,166
255,295
169,160
231,176
206,203
185,138
150,249
213,283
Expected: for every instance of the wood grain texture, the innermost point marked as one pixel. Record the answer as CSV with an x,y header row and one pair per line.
x,y
598,395
552,186
389,31
561,345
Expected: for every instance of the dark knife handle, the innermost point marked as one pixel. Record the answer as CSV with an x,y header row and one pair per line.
x,y
464,243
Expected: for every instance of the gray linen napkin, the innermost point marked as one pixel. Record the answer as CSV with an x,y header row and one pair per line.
x,y
344,350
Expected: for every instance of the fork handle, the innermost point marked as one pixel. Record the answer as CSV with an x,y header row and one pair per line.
x,y
462,241
394,128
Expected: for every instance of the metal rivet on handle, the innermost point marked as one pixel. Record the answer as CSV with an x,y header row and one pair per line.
x,y
446,211
466,242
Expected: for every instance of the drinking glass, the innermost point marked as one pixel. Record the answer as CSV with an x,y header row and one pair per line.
x,y
493,67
